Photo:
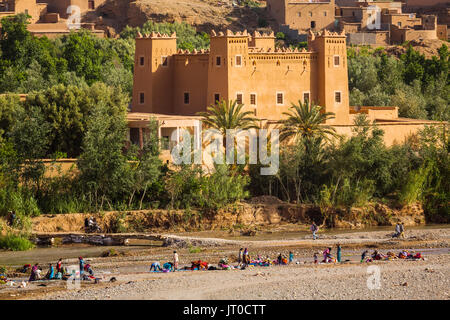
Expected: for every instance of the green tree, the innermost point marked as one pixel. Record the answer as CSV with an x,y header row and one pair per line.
x,y
104,170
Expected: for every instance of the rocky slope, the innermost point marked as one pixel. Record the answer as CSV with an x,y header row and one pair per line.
x,y
205,15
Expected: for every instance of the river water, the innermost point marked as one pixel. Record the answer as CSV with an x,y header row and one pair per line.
x,y
73,251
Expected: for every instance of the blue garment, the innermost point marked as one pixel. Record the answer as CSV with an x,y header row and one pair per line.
x,y
81,267
51,273
339,254
155,266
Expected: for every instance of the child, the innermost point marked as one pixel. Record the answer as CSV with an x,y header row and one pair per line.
x,y
175,261
363,256
291,256
316,259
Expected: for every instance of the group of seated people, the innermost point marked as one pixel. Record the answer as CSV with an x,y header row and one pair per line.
x,y
57,272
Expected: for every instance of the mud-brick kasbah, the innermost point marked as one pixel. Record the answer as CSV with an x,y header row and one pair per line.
x,y
172,85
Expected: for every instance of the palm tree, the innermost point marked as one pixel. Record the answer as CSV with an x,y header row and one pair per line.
x,y
306,121
226,115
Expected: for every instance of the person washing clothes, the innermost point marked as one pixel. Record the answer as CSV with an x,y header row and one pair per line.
x,y
364,255
339,249
51,272
316,258
175,261
155,266
82,263
34,273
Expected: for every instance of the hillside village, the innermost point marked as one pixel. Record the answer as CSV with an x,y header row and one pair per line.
x,y
364,22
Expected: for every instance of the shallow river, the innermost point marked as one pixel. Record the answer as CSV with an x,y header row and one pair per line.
x,y
71,251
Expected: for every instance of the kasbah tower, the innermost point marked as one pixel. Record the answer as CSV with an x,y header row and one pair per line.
x,y
174,85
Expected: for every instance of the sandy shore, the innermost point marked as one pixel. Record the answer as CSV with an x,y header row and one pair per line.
x,y
400,279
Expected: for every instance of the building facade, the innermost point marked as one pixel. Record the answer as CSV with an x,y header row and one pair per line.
x,y
172,85
49,17
241,67
304,15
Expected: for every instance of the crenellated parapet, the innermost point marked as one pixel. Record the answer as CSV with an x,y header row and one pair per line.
x,y
187,52
156,35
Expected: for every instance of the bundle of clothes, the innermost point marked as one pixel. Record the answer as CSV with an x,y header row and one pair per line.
x,y
3,279
223,265
199,265
376,255
262,262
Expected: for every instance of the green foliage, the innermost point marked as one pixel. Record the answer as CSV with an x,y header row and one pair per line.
x,y
187,36
189,187
15,243
104,169
225,115
280,36
195,249
29,63
417,85
67,110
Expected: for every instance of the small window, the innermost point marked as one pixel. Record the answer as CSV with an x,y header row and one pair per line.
x,y
306,97
353,13
218,61
325,13
399,24
253,99
280,98
141,61
337,61
186,98
141,98
313,24
310,14
337,97
239,98
91,4
238,61
299,14
164,61
216,97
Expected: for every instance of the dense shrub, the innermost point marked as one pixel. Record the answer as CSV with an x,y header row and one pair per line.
x,y
15,243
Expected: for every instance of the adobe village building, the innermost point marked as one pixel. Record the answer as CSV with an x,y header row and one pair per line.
x,y
376,23
172,85
49,17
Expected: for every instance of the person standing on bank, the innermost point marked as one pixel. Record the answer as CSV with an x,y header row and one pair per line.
x,y
314,229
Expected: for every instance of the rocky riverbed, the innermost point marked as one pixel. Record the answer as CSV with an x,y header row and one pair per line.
x,y
398,279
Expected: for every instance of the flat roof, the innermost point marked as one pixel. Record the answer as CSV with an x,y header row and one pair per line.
x,y
143,116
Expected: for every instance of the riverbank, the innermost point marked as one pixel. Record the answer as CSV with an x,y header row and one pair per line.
x,y
257,214
401,279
